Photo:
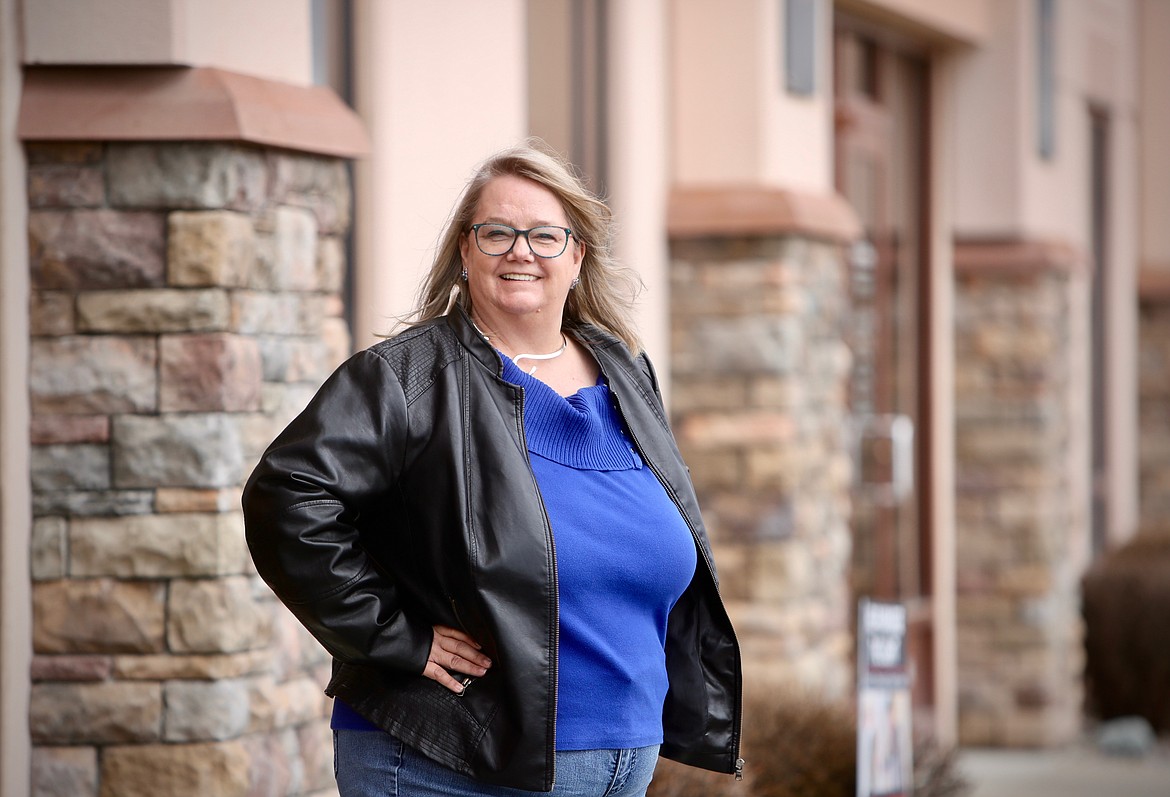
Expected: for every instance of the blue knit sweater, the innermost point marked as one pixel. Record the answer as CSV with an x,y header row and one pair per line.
x,y
624,557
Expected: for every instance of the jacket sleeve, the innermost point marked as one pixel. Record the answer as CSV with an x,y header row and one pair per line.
x,y
301,505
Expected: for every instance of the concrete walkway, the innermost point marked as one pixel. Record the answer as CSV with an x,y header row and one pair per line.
x,y
1077,771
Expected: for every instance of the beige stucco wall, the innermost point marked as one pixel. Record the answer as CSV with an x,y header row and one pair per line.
x,y
15,498
414,75
638,181
267,38
1154,120
732,118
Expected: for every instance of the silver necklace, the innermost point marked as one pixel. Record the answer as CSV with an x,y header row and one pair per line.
x,y
551,356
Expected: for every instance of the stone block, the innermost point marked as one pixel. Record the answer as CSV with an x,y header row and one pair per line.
x,y
71,668
288,359
276,763
45,430
321,185
214,616
259,313
331,264
316,747
710,430
286,257
186,176
753,345
154,311
96,249
178,499
200,450
158,546
203,711
62,185
64,772
69,467
48,548
99,616
217,371
98,713
209,248
90,503
51,314
191,668
176,770
338,344
83,375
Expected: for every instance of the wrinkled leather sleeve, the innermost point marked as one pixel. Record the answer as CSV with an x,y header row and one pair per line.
x,y
303,505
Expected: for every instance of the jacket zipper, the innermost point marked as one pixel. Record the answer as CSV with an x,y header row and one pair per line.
x,y
739,762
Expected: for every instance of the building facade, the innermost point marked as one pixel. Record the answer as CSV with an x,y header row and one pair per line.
x,y
906,281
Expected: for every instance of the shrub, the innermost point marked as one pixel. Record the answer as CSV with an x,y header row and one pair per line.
x,y
797,744
1126,607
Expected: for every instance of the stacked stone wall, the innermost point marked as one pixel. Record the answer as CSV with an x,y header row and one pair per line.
x,y
1154,415
185,303
759,370
1021,521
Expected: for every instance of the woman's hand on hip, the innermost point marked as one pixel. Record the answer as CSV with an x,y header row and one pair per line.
x,y
453,650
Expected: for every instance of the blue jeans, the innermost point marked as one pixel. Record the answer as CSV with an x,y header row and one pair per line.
x,y
375,764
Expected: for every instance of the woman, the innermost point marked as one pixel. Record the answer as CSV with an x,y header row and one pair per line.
x,y
486,521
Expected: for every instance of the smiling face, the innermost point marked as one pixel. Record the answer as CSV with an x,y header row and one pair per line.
x,y
506,287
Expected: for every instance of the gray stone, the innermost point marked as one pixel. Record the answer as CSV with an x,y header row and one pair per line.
x,y
158,546
196,450
186,176
69,467
320,184
199,711
96,249
99,616
93,375
100,713
1126,736
48,547
286,258
163,310
64,772
214,616
331,264
89,503
258,313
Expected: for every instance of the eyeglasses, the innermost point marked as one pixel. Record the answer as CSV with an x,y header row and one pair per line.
x,y
496,240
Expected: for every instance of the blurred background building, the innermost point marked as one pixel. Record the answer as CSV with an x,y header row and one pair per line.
x,y
907,269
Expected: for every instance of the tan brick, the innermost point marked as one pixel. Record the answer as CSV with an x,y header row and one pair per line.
x,y
158,546
84,375
69,771
98,616
209,248
215,616
176,770
156,310
51,314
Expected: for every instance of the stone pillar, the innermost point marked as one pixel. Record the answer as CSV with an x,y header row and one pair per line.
x,y
1154,402
759,367
1021,392
185,303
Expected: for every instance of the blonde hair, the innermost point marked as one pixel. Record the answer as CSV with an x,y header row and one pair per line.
x,y
607,290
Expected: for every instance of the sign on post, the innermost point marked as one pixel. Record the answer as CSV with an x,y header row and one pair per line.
x,y
885,759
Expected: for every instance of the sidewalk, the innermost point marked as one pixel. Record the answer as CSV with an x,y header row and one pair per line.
x,y
1077,771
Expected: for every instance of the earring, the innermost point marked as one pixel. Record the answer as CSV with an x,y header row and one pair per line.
x,y
576,281
463,276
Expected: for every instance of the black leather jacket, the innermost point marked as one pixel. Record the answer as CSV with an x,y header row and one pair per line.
x,y
402,497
